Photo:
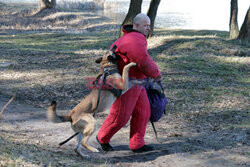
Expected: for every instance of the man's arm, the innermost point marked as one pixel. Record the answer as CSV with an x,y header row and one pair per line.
x,y
138,54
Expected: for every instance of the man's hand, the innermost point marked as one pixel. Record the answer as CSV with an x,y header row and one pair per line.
x,y
158,78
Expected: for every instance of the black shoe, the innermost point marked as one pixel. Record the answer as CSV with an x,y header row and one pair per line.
x,y
144,148
105,147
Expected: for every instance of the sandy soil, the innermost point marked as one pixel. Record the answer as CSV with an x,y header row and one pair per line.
x,y
182,144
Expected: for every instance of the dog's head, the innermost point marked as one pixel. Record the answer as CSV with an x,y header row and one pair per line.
x,y
106,59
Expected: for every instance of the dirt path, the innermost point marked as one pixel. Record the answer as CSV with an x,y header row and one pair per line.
x,y
181,147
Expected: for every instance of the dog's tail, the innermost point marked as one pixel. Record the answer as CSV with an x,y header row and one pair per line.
x,y
53,117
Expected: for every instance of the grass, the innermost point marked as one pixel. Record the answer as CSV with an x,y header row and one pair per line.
x,y
212,88
55,42
209,69
216,69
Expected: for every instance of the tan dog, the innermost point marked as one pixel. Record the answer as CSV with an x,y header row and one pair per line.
x,y
81,116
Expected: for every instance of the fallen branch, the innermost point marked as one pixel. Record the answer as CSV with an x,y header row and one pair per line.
x,y
5,106
173,73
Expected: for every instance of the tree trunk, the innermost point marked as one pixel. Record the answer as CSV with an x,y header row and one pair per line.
x,y
46,4
152,11
134,9
245,28
234,29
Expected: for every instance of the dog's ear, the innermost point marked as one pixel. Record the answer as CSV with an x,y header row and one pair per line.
x,y
111,58
99,60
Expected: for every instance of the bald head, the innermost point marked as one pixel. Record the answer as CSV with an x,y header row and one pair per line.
x,y
139,17
141,23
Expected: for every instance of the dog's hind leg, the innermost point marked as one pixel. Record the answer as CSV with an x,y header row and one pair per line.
x,y
78,147
88,132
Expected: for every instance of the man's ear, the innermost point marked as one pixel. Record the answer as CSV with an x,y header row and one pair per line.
x,y
136,25
99,60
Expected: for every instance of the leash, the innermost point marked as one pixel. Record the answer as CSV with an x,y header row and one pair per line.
x,y
98,100
159,89
71,137
156,136
116,92
143,82
103,77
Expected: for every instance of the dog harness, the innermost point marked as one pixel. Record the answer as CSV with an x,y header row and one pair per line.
x,y
109,71
104,85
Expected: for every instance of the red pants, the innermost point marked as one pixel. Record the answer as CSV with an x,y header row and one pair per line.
x,y
133,103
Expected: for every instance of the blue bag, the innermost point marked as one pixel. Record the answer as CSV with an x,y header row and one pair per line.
x,y
157,99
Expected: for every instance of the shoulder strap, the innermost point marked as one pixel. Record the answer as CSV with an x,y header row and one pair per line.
x,y
113,49
114,55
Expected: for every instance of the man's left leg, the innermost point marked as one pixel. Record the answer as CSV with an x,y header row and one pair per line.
x,y
139,120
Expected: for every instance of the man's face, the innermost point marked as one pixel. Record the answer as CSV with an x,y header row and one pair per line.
x,y
143,26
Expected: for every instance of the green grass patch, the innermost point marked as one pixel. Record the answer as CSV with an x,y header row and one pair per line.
x,y
55,42
215,71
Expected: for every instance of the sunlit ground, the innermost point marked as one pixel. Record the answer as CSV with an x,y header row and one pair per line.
x,y
206,81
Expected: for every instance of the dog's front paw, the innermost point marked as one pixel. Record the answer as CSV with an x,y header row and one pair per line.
x,y
132,64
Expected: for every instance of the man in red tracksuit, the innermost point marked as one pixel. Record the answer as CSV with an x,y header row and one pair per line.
x,y
131,47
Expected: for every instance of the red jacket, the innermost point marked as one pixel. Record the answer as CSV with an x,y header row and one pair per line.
x,y
132,47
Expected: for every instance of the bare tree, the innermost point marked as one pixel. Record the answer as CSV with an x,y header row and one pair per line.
x,y
245,28
134,9
152,11
46,4
234,29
